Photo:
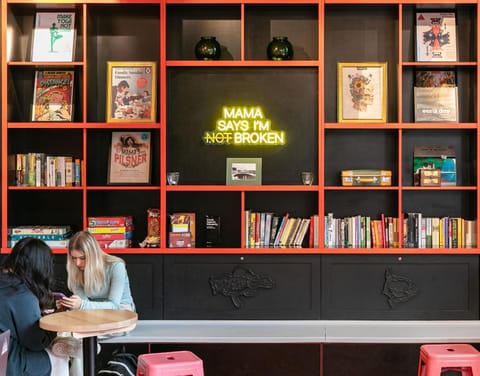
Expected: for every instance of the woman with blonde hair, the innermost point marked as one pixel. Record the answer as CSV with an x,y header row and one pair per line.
x,y
97,279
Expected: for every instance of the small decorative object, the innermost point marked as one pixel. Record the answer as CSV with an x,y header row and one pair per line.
x,y
207,48
366,177
280,48
152,240
173,178
307,177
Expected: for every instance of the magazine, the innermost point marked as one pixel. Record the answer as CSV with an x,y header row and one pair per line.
x,y
53,95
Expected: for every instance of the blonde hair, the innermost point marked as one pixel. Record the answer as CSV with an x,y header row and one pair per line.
x,y
92,278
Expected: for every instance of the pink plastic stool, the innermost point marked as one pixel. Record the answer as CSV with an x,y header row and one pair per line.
x,y
175,363
443,357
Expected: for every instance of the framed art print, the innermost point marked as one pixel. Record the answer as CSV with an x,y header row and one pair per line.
x,y
362,92
244,171
131,91
130,158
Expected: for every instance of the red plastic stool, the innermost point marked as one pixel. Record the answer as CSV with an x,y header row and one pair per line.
x,y
443,357
175,363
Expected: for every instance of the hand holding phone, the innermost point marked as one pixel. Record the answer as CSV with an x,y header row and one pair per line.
x,y
58,295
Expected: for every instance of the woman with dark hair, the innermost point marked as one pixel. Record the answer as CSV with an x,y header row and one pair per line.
x,y
26,277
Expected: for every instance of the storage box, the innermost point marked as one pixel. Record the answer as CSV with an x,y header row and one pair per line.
x,y
441,157
430,177
366,177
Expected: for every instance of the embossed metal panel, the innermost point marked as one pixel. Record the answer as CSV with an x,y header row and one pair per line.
x,y
394,287
242,287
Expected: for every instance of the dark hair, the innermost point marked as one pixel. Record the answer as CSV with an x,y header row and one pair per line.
x,y
31,260
123,83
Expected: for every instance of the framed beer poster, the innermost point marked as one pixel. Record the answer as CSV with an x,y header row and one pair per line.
x,y
130,158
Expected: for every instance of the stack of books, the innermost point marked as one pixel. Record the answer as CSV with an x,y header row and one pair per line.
x,y
112,232
54,236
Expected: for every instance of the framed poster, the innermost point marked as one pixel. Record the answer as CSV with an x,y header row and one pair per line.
x,y
362,92
131,91
244,171
130,157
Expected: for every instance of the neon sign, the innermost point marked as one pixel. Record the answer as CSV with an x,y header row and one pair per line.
x,y
243,126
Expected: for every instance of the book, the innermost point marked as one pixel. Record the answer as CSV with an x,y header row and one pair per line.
x,y
54,37
436,37
53,95
212,231
110,221
435,78
435,104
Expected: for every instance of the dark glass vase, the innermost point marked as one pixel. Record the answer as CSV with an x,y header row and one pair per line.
x,y
280,48
207,48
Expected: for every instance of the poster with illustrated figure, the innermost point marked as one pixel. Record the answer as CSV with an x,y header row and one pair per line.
x,y
131,91
54,37
53,95
436,36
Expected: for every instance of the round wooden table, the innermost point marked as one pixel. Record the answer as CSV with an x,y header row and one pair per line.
x,y
88,324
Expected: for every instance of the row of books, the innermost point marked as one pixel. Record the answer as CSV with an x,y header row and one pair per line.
x,y
42,170
54,236
435,232
361,232
267,230
112,231
413,231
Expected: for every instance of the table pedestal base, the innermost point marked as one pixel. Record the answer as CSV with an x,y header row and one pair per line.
x,y
89,354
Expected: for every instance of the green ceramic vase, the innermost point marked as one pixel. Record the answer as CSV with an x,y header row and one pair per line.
x,y
207,48
280,48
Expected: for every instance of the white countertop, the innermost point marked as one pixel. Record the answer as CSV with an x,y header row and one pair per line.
x,y
301,331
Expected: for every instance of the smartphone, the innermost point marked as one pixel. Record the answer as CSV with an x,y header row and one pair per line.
x,y
58,295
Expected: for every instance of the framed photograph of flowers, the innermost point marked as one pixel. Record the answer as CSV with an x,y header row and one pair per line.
x,y
362,92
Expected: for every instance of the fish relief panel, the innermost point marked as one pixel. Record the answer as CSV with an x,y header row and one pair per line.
x,y
403,287
242,287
